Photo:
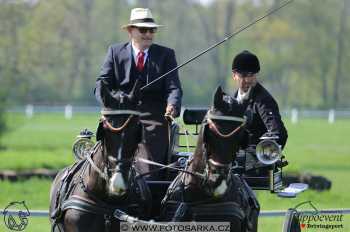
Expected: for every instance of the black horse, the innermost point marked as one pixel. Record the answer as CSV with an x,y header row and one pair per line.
x,y
209,190
85,195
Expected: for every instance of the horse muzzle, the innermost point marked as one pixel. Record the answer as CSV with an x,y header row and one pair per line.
x,y
117,185
220,189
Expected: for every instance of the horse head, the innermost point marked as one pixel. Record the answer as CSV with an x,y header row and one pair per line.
x,y
223,127
219,140
120,132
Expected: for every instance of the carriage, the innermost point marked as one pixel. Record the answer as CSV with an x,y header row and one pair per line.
x,y
212,184
260,166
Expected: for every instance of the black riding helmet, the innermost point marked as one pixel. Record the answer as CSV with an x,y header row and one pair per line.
x,y
246,62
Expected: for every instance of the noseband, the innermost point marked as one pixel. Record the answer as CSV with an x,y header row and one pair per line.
x,y
103,174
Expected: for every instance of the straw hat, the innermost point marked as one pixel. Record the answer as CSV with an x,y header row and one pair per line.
x,y
141,17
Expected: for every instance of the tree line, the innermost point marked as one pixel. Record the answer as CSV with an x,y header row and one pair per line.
x,y
51,51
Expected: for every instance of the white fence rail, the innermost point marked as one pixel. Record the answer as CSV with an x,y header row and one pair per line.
x,y
294,115
330,115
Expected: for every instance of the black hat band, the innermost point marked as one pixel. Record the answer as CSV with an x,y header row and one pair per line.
x,y
146,20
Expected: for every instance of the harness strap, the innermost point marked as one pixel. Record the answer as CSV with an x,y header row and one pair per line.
x,y
81,204
66,187
93,165
85,205
218,209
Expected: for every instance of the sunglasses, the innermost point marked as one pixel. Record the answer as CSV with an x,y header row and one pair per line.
x,y
143,30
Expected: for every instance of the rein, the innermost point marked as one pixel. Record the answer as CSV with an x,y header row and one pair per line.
x,y
103,174
242,28
146,161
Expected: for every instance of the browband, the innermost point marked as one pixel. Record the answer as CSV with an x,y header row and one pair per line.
x,y
227,118
118,112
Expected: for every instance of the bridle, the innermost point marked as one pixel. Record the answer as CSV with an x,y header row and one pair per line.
x,y
214,128
107,125
92,203
104,173
210,117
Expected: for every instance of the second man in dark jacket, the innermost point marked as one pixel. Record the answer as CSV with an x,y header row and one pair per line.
x,y
257,100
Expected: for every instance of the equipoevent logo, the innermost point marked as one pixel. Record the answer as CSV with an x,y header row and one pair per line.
x,y
316,220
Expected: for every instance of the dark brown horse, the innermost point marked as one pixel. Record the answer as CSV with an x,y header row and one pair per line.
x,y
211,192
85,195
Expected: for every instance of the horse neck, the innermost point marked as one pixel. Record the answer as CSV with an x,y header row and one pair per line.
x,y
198,162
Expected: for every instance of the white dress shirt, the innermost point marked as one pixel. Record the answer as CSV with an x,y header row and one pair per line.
x,y
241,96
135,52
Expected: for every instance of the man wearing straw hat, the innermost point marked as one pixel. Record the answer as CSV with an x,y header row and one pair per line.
x,y
141,59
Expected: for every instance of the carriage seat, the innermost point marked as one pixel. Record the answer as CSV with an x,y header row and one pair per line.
x,y
194,116
177,153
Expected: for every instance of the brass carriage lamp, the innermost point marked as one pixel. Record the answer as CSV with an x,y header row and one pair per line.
x,y
268,151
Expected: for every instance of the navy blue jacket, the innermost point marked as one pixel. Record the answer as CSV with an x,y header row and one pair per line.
x,y
116,71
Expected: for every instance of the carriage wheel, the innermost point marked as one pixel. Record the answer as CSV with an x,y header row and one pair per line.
x,y
291,222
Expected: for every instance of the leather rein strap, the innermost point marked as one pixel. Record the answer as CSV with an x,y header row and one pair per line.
x,y
102,174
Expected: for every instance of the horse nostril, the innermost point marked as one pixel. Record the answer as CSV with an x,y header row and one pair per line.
x,y
117,184
112,159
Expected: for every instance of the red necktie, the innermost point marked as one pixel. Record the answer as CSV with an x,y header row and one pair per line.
x,y
140,61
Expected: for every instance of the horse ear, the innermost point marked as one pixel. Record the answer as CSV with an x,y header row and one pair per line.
x,y
135,93
107,97
218,97
104,94
99,131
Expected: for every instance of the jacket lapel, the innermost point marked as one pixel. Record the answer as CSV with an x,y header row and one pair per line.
x,y
153,63
125,56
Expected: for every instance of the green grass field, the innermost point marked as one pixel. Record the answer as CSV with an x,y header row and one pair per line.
x,y
46,139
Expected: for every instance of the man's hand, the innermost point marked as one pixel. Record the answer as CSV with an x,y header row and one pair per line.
x,y
170,110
